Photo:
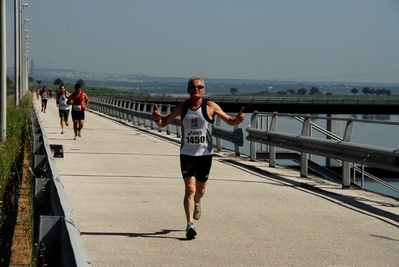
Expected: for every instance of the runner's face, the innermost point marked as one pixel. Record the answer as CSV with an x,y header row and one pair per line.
x,y
196,89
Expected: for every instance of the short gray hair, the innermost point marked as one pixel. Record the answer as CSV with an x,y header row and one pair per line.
x,y
192,79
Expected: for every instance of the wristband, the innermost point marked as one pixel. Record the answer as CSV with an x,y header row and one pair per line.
x,y
156,120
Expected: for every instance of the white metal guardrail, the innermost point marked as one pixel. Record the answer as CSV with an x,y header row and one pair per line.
x,y
141,114
290,104
243,100
341,149
58,239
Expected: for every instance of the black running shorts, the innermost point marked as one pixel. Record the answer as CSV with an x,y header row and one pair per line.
x,y
197,166
78,115
64,113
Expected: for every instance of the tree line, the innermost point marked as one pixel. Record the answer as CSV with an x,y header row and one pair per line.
x,y
315,91
212,87
57,81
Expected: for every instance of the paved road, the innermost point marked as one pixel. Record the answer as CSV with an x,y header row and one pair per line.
x,y
126,192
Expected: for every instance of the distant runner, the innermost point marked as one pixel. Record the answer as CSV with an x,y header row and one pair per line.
x,y
63,107
44,95
38,93
79,102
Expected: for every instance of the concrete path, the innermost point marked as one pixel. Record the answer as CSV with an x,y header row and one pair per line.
x,y
124,185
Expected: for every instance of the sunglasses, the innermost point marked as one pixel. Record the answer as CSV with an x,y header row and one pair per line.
x,y
199,87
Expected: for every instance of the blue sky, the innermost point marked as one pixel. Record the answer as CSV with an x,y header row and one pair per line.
x,y
302,40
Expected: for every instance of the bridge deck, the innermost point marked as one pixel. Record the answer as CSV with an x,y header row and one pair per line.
x,y
126,192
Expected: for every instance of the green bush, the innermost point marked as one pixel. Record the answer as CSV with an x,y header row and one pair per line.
x,y
18,134
17,130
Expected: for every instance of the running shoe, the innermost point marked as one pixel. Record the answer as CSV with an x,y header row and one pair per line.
x,y
66,123
80,133
190,231
75,138
197,210
63,131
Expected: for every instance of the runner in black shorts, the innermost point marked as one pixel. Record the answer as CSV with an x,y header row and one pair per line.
x,y
78,115
44,93
79,103
63,108
196,150
198,167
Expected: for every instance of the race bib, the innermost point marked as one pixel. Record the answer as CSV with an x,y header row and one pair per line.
x,y
77,107
194,137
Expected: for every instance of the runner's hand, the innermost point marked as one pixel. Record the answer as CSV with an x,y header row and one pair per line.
x,y
240,116
156,115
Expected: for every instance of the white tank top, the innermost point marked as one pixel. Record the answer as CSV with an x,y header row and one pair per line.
x,y
196,133
62,101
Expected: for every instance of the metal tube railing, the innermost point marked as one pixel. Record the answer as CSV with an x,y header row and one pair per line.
x,y
143,114
269,138
341,149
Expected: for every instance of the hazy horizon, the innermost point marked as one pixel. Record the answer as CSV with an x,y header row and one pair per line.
x,y
11,70
349,41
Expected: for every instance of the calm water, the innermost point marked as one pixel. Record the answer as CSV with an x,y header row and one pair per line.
x,y
363,133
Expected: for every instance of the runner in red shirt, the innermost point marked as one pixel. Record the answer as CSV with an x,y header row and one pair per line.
x,y
79,102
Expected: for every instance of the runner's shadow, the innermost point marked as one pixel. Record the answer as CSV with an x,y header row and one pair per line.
x,y
160,234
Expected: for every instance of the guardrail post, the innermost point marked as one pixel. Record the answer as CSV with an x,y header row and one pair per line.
x,y
152,122
168,110
125,107
335,127
236,147
102,105
134,107
272,149
117,112
99,105
218,140
120,109
138,117
115,108
348,130
304,156
346,175
128,112
109,107
145,110
264,124
252,144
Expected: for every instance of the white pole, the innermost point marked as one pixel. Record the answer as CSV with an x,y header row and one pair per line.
x,y
22,45
16,51
3,71
21,55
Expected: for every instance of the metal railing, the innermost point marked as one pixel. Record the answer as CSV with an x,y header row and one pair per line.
x,y
140,113
342,149
58,239
260,132
243,99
